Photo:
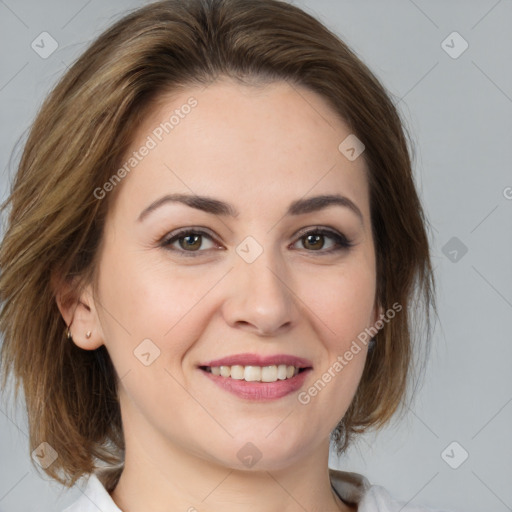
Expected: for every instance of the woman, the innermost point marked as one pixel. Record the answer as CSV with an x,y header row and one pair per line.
x,y
213,254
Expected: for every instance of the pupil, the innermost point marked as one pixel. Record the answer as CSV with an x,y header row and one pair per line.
x,y
317,237
195,238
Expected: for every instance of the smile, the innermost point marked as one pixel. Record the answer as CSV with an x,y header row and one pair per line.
x,y
258,377
252,373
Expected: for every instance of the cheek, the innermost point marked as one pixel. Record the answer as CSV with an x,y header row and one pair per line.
x,y
342,301
150,298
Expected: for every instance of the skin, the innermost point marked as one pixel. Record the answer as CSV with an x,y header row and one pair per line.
x,y
258,148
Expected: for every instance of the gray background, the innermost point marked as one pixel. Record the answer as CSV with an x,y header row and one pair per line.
x,y
459,113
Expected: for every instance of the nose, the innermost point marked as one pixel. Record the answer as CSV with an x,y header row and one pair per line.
x,y
261,298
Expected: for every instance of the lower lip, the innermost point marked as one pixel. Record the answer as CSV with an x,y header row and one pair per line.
x,y
260,391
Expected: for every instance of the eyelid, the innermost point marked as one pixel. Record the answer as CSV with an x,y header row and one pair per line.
x,y
321,229
174,236
341,241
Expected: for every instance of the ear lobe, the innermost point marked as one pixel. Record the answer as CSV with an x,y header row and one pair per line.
x,y
79,314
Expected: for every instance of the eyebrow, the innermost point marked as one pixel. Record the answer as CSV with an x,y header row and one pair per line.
x,y
217,207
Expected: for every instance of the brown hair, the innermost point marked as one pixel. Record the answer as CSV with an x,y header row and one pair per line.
x,y
80,137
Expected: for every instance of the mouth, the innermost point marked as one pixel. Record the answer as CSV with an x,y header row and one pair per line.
x,y
252,373
256,377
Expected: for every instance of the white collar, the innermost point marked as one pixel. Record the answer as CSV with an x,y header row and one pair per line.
x,y
95,498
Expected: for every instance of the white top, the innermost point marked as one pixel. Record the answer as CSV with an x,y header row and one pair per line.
x,y
351,488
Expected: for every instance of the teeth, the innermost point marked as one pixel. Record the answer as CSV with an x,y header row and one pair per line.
x,y
282,372
237,372
255,373
270,373
252,373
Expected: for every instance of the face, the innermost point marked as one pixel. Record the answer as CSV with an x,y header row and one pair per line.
x,y
278,279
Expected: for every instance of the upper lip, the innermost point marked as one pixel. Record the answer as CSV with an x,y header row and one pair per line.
x,y
259,360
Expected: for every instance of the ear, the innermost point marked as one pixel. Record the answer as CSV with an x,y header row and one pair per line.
x,y
79,313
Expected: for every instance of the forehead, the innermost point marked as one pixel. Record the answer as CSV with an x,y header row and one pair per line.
x,y
253,146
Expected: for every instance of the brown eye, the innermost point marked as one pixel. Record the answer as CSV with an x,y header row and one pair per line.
x,y
190,242
314,241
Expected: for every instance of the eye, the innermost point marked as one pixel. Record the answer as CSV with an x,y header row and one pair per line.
x,y
190,241
314,239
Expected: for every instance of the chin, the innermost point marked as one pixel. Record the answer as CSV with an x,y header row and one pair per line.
x,y
260,455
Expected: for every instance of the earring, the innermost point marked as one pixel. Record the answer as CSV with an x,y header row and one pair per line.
x,y
88,335
68,333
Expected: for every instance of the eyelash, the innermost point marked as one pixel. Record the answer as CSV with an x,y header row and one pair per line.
x,y
342,243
